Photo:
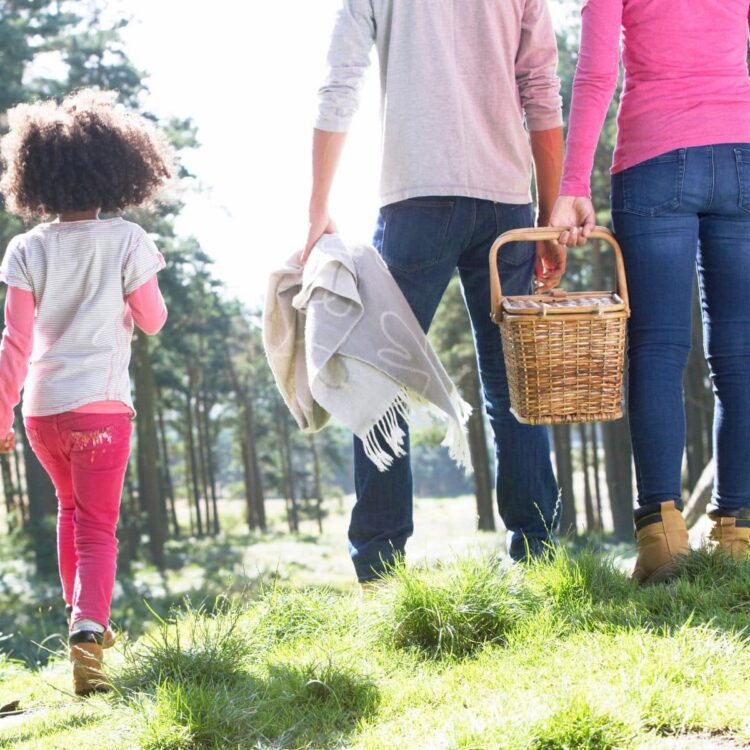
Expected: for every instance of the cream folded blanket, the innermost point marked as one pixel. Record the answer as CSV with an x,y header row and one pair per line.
x,y
343,342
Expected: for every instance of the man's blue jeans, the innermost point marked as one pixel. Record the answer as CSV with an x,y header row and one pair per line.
x,y
681,208
423,240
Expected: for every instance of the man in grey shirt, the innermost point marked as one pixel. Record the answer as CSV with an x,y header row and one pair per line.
x,y
470,94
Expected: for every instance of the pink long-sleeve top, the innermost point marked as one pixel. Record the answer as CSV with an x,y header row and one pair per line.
x,y
149,314
686,80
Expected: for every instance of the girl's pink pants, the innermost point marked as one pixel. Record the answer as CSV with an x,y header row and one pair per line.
x,y
86,456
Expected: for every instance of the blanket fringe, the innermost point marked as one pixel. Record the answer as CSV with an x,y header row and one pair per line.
x,y
386,432
456,440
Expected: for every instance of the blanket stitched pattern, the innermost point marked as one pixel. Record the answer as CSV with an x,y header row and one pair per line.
x,y
343,342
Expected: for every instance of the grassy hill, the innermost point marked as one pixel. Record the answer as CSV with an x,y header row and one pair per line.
x,y
471,655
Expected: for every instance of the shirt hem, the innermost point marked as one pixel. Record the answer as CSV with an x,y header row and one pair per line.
x,y
462,191
62,408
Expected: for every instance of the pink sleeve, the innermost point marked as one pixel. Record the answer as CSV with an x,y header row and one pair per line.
x,y
593,88
148,308
15,352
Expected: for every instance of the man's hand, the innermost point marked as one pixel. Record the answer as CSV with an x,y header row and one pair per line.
x,y
8,445
320,224
578,215
550,265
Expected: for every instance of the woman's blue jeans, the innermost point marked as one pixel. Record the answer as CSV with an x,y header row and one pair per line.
x,y
423,241
685,208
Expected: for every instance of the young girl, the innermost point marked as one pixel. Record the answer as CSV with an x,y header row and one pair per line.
x,y
76,285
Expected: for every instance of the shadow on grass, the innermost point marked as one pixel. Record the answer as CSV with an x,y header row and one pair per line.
x,y
203,678
292,706
30,732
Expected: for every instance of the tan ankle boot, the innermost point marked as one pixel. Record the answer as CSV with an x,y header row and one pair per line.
x,y
662,538
87,656
108,640
731,534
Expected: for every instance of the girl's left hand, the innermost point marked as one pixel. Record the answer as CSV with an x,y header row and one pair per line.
x,y
578,215
8,445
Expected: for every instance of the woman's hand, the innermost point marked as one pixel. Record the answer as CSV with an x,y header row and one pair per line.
x,y
8,445
578,215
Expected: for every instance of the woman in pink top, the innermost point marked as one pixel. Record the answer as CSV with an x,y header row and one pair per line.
x,y
680,197
76,286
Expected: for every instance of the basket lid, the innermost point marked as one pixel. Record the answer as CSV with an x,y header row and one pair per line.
x,y
560,302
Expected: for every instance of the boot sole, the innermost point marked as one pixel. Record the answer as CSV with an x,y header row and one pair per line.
x,y
664,574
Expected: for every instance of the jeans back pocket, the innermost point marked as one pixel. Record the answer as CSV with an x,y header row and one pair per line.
x,y
654,186
415,232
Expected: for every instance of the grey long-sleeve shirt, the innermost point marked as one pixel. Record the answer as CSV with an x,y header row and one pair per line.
x,y
458,78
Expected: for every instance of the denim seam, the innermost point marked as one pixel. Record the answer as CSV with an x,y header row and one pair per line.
x,y
739,161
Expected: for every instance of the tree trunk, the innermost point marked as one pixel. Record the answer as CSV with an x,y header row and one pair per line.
x,y
588,501
188,486
564,463
9,491
210,463
193,477
167,476
22,493
256,510
129,524
618,470
317,485
250,512
597,483
149,488
258,497
479,455
287,464
202,463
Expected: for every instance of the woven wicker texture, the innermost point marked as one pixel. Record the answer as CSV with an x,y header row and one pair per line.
x,y
565,360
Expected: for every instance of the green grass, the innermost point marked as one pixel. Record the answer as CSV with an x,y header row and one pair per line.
x,y
451,611
564,655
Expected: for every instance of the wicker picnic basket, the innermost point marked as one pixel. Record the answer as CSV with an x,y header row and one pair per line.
x,y
564,351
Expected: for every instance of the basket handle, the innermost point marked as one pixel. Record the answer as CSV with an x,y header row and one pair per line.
x,y
543,234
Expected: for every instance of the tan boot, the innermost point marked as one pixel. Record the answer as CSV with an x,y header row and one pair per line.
x,y
731,534
86,654
662,538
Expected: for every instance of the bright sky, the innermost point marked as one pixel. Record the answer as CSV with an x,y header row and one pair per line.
x,y
247,73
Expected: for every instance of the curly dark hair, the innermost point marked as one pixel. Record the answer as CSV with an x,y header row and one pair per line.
x,y
82,154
